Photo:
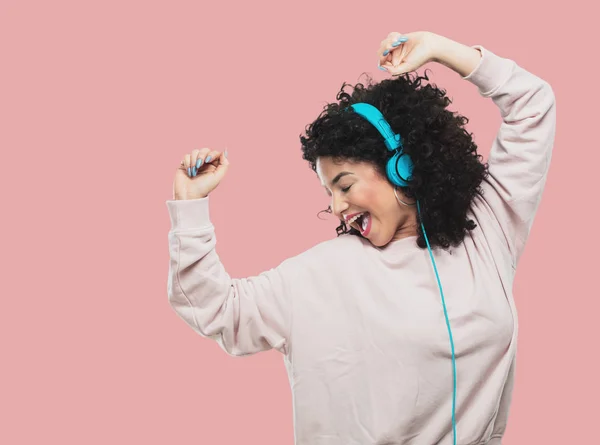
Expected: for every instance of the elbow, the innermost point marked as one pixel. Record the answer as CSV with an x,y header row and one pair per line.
x,y
551,103
542,103
550,91
548,94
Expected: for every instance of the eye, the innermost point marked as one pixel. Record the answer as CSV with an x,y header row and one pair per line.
x,y
346,189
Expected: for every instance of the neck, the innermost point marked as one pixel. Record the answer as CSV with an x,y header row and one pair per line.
x,y
408,227
405,232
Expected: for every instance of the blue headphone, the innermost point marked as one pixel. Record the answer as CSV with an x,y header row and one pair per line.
x,y
399,171
399,167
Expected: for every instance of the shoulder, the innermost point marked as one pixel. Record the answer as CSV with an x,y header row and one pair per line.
x,y
328,253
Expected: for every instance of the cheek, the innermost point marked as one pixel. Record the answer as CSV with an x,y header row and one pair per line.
x,y
372,197
376,201
385,209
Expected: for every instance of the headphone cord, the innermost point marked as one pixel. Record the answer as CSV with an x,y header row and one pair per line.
x,y
449,330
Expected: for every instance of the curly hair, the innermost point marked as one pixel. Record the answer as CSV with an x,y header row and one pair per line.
x,y
447,170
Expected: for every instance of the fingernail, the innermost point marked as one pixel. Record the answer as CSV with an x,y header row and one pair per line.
x,y
401,39
198,163
189,171
208,158
382,68
386,52
194,171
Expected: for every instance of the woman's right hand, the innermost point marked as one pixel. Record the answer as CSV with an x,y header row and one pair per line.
x,y
207,178
402,53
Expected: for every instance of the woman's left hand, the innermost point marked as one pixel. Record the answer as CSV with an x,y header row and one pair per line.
x,y
412,51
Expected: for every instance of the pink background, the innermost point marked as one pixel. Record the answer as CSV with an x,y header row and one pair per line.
x,y
100,101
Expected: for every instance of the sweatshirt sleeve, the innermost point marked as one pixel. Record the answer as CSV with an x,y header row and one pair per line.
x,y
245,315
520,155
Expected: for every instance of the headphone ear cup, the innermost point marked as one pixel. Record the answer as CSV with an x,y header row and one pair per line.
x,y
399,169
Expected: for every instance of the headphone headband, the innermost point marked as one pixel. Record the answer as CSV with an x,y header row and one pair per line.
x,y
399,166
393,141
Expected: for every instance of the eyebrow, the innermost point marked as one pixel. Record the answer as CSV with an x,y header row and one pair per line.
x,y
339,176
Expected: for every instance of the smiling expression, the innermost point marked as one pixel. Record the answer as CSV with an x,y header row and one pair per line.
x,y
356,187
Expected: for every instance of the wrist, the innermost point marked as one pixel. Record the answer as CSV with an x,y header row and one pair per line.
x,y
460,58
436,44
187,198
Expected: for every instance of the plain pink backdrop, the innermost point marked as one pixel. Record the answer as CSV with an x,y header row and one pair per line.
x,y
99,101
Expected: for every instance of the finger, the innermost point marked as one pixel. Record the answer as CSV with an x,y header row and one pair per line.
x,y
382,59
206,157
399,70
393,36
194,159
222,165
186,164
201,155
398,55
388,47
212,157
384,47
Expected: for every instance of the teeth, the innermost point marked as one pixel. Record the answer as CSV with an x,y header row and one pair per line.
x,y
351,220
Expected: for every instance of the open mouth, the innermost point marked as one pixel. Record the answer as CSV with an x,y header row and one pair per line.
x,y
362,223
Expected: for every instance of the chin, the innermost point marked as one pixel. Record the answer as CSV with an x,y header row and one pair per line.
x,y
378,241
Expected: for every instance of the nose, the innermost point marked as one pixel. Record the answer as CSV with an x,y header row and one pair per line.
x,y
338,205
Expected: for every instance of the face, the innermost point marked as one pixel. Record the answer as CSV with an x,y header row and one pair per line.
x,y
356,187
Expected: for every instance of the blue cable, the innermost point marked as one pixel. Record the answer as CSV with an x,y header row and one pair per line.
x,y
399,171
449,330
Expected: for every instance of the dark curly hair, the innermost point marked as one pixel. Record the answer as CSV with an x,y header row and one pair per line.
x,y
447,172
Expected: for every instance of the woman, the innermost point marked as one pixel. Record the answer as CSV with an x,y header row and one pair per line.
x,y
374,351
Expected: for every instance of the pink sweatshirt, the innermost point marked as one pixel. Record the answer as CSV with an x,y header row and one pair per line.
x,y
365,342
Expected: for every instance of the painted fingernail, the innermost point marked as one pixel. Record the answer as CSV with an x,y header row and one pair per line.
x,y
194,171
198,163
382,68
386,52
401,39
208,158
189,171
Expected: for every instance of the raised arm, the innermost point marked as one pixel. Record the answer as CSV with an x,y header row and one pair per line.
x,y
244,315
520,155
